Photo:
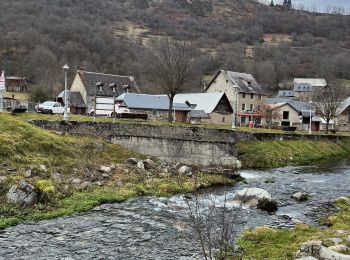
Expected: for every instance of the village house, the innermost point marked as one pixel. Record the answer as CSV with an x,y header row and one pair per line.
x,y
207,108
155,106
244,93
87,86
285,112
343,116
304,87
16,84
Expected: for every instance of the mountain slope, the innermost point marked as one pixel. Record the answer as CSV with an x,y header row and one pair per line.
x,y
115,36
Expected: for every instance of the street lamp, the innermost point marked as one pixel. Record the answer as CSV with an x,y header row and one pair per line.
x,y
113,86
235,110
310,130
65,115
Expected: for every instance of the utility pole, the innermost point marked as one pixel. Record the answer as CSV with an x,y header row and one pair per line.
x,y
2,90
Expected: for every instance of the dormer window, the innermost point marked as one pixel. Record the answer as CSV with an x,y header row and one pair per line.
x,y
99,86
113,87
126,88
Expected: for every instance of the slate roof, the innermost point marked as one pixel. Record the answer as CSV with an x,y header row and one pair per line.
x,y
344,106
201,101
198,114
74,98
299,106
311,81
144,101
245,82
91,78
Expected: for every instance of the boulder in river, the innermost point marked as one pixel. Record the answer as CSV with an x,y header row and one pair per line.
x,y
251,196
23,194
268,205
300,196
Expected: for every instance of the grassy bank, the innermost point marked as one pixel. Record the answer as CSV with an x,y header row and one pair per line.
x,y
269,243
24,147
275,153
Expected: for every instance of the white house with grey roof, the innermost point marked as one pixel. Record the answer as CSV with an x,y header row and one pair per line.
x,y
244,93
304,87
207,108
88,85
287,112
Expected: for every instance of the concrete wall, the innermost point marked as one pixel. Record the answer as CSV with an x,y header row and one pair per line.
x,y
174,144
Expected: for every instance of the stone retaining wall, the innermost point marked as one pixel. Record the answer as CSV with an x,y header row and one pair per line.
x,y
174,144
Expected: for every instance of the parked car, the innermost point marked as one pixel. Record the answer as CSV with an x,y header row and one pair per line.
x,y
50,107
106,111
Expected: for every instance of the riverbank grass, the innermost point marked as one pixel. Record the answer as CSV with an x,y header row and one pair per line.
x,y
269,243
276,153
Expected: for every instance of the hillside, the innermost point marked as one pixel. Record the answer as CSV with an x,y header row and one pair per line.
x,y
115,36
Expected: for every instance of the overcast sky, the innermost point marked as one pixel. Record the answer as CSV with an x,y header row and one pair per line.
x,y
321,5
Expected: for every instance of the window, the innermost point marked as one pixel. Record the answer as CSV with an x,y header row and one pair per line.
x,y
251,107
251,96
243,95
285,114
258,107
243,107
260,96
243,120
223,119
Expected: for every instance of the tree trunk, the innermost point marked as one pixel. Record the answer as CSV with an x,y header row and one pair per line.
x,y
327,125
170,114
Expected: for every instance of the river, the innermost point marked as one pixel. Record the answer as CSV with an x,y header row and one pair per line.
x,y
152,228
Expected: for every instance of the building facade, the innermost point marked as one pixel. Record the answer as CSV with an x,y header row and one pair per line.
x,y
87,86
244,93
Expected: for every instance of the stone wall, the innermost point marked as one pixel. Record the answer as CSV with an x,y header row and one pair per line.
x,y
174,144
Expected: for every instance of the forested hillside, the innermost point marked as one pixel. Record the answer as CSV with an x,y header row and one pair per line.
x,y
114,36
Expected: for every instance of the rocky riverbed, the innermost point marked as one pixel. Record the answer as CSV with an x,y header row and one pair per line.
x,y
153,228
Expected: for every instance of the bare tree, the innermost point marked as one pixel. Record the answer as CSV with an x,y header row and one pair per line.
x,y
214,225
271,113
327,102
171,68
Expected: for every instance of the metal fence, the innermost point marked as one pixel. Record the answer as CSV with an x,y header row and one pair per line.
x,y
9,105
